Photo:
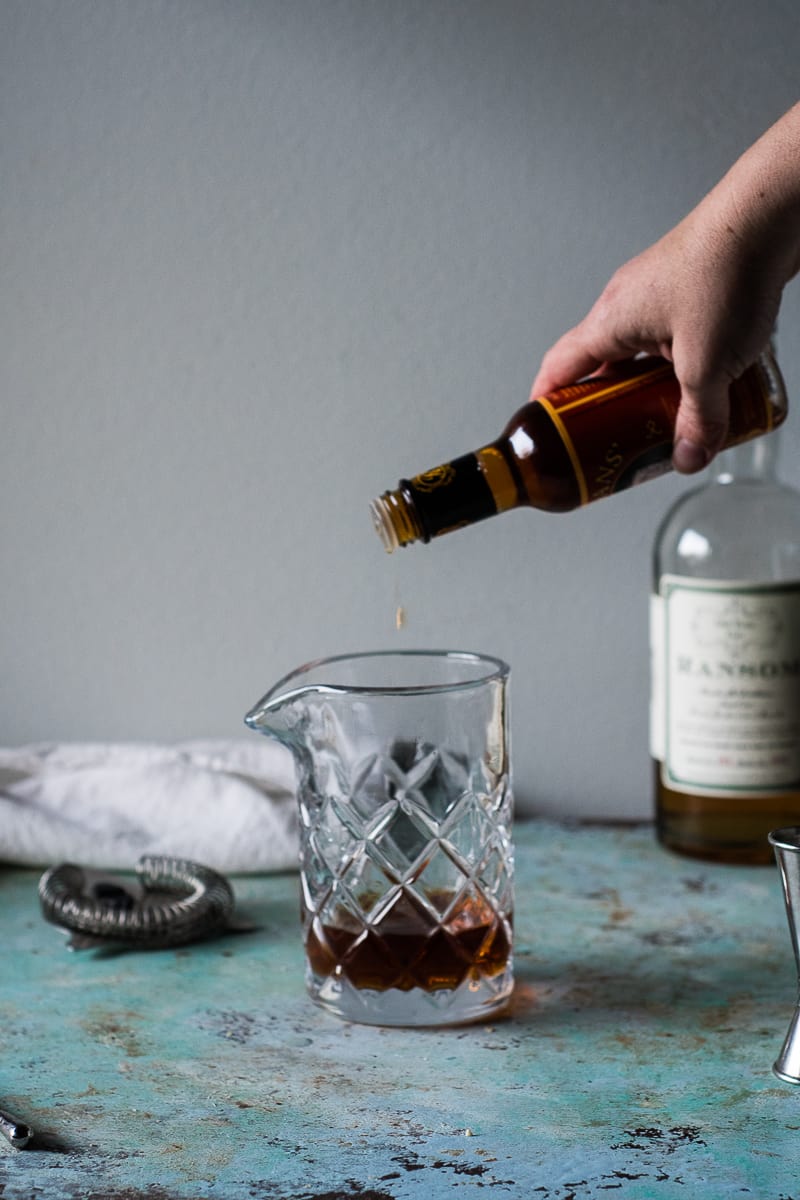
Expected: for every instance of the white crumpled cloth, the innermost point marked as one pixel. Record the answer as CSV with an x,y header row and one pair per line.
x,y
227,804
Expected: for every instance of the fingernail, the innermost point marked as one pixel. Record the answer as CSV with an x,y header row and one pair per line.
x,y
688,457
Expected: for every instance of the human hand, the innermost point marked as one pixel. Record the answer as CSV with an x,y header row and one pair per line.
x,y
705,297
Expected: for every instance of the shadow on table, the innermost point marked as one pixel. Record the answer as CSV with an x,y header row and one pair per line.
x,y
715,992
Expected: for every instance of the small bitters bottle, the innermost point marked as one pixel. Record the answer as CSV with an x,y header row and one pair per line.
x,y
725,640
570,447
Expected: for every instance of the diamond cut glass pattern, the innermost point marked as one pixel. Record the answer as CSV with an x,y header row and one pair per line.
x,y
405,812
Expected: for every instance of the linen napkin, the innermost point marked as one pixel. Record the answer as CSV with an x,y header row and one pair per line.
x,y
227,804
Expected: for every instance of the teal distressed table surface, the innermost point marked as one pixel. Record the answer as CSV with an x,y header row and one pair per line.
x,y
653,995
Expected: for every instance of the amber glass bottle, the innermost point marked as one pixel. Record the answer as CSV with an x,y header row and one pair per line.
x,y
572,446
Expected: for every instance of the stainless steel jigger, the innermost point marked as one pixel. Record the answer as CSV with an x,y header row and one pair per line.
x,y
786,844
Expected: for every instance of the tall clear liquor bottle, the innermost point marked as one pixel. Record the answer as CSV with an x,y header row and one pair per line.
x,y
725,639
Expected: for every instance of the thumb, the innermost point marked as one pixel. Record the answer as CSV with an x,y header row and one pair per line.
x,y
701,425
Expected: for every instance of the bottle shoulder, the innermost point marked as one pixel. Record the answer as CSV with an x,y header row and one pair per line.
x,y
734,530
742,496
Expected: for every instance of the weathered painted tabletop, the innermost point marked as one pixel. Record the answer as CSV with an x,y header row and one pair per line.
x,y
653,996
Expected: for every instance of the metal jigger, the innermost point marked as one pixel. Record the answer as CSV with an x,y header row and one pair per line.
x,y
786,844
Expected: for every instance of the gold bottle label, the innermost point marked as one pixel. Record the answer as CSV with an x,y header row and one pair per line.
x,y
437,477
609,454
450,496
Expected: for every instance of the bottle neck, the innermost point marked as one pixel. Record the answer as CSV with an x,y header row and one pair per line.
x,y
753,461
465,490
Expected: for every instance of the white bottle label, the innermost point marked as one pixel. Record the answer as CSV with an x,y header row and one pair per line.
x,y
725,699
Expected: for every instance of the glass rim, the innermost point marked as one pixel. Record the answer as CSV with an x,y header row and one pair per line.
x,y
785,839
496,669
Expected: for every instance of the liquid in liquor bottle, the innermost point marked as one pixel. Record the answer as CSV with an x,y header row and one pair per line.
x,y
570,447
725,640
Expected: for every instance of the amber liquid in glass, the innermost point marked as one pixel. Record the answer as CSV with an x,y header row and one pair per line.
x,y
405,949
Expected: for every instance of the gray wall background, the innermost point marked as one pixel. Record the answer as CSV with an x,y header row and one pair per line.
x,y
259,259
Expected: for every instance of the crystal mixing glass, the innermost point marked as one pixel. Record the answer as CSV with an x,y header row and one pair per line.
x,y
405,824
